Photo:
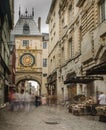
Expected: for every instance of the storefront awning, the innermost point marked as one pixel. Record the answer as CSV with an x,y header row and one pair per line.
x,y
98,69
82,79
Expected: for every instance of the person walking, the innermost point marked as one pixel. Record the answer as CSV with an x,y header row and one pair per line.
x,y
43,100
102,102
12,99
102,99
16,101
22,100
27,99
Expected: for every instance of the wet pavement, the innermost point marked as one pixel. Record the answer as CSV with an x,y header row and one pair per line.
x,y
47,118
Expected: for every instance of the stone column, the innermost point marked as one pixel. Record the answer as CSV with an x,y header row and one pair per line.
x,y
79,89
65,93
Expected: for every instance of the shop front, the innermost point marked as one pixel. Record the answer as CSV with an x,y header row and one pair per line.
x,y
52,89
80,84
72,90
100,69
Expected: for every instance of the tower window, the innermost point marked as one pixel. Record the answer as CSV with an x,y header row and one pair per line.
x,y
44,62
26,28
26,43
44,45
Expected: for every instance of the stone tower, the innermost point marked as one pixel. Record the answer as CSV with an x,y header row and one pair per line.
x,y
28,45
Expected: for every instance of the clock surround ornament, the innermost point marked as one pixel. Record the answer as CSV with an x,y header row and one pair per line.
x,y
27,59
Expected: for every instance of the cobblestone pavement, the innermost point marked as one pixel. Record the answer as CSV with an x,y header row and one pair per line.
x,y
47,118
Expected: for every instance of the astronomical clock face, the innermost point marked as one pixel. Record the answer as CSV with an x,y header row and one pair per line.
x,y
27,59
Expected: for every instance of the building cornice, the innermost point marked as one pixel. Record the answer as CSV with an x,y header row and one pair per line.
x,y
51,10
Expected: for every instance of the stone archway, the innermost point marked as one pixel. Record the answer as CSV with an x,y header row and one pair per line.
x,y
29,76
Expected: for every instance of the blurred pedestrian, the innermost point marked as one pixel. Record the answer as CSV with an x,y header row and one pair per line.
x,y
16,101
27,100
44,100
102,99
12,98
22,100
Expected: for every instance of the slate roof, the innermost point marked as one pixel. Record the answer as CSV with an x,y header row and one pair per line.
x,y
18,29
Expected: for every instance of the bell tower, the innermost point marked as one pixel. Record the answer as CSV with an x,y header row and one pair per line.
x,y
28,42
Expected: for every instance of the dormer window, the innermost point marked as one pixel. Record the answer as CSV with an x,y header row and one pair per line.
x,y
26,29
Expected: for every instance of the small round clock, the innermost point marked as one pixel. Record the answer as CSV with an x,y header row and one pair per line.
x,y
27,59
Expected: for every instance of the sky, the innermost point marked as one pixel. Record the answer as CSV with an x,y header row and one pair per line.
x,y
41,9
34,83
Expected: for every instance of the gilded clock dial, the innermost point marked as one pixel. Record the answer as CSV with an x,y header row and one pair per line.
x,y
27,59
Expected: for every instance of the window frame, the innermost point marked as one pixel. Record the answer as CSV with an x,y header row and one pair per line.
x,y
44,74
70,48
102,10
44,62
25,44
44,45
26,28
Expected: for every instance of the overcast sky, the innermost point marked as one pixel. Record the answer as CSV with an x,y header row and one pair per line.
x,y
41,9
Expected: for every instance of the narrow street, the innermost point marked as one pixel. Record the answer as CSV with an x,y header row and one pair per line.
x,y
53,52
47,118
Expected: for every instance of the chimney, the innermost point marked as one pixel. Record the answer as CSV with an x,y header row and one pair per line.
x,y
39,24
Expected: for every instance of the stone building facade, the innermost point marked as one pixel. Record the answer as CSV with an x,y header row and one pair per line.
x,y
77,62
53,50
6,25
45,43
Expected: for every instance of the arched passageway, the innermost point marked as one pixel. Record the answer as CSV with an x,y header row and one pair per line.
x,y
32,86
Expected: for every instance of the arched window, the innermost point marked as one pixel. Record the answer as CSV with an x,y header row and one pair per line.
x,y
26,29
